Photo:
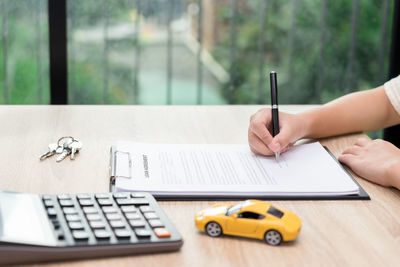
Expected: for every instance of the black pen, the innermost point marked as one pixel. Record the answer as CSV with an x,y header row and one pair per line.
x,y
274,108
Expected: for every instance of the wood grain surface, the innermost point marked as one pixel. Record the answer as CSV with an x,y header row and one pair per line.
x,y
334,233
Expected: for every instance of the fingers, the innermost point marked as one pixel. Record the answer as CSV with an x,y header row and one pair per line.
x,y
286,148
265,143
362,142
358,147
258,126
257,146
281,141
260,130
353,150
347,159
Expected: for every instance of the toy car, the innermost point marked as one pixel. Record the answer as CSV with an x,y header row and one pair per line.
x,y
252,219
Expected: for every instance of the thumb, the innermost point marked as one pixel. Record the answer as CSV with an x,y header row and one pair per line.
x,y
280,141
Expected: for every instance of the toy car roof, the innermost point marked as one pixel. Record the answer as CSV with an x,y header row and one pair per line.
x,y
256,206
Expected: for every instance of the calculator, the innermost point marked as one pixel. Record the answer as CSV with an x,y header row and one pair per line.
x,y
38,228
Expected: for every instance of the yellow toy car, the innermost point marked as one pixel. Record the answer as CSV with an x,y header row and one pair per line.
x,y
251,218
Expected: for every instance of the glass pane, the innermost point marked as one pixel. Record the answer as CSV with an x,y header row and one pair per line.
x,y
24,64
148,51
120,52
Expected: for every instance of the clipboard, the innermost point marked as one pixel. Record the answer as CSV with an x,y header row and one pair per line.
x,y
122,157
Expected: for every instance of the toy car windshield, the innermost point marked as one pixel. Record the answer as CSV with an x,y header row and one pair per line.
x,y
275,212
233,209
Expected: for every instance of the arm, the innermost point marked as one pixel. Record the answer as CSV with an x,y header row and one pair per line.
x,y
377,160
361,111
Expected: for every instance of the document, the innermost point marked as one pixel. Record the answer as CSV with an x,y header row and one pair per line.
x,y
228,170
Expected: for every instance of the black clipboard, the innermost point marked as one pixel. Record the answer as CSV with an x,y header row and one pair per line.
x,y
362,195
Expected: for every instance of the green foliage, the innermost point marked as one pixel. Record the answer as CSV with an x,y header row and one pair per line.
x,y
2,73
309,71
300,66
23,77
85,84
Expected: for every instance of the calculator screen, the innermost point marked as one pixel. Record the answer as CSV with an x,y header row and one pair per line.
x,y
23,220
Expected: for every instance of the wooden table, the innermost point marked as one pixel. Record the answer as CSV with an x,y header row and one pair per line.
x,y
334,233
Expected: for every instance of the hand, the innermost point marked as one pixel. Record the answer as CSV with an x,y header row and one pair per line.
x,y
375,160
292,128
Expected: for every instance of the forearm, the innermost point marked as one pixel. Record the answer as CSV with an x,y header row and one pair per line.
x,y
361,111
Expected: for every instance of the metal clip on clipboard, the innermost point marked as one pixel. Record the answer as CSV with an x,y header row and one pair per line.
x,y
120,166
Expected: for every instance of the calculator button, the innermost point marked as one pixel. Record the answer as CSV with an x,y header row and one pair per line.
x,y
51,212
66,203
97,224
102,196
113,216
70,211
156,223
61,236
102,234
105,202
141,201
83,196
80,235
121,195
132,201
150,215
117,224
109,209
128,208
46,197
89,210
136,223
124,201
137,195
146,209
48,203
72,218
93,217
56,224
142,233
122,233
63,197
162,232
75,225
132,216
86,202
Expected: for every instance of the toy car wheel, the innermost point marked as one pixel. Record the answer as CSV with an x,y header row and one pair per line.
x,y
213,229
273,237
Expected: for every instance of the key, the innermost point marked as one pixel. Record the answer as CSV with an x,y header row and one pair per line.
x,y
68,140
75,146
59,149
51,152
66,150
64,154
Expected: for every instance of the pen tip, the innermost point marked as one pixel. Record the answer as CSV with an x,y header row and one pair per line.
x,y
277,156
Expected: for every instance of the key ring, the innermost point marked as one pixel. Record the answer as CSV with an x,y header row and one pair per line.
x,y
65,137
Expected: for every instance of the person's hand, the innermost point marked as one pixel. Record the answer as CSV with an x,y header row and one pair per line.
x,y
375,160
261,142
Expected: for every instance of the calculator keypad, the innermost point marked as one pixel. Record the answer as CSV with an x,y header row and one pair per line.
x,y
112,218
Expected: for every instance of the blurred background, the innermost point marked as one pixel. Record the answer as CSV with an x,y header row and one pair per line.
x,y
197,51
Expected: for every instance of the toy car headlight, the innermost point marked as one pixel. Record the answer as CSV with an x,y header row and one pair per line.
x,y
200,217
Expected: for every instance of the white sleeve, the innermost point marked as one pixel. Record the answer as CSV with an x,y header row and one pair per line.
x,y
392,89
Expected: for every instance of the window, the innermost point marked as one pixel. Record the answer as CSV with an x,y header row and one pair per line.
x,y
234,209
24,52
275,212
250,215
197,51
